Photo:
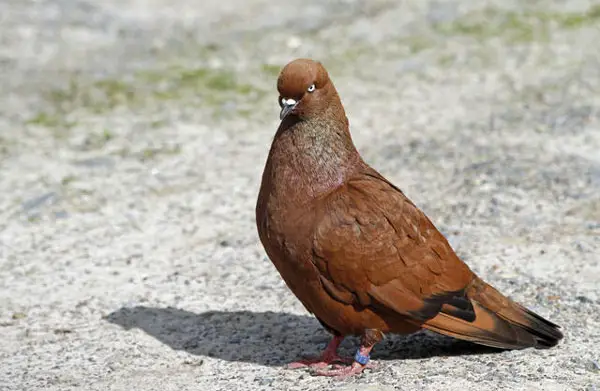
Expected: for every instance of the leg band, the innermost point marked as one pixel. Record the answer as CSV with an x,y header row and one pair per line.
x,y
360,358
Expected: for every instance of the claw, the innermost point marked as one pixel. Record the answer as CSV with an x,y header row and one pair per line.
x,y
319,362
342,371
370,365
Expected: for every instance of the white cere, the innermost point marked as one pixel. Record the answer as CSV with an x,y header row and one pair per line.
x,y
311,88
288,102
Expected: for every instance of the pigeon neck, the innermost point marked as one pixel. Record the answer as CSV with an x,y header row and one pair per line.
x,y
316,155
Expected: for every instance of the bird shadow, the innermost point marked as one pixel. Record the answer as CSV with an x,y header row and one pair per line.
x,y
271,338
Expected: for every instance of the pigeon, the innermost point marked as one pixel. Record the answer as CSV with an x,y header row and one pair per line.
x,y
356,251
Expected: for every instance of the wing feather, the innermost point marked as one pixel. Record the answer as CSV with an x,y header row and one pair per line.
x,y
373,246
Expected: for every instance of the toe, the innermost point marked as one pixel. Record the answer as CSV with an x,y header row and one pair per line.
x,y
319,362
307,363
341,371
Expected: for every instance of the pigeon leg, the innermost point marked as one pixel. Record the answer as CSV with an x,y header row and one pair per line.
x,y
328,357
361,358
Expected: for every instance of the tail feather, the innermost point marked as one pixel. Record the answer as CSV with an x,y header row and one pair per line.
x,y
499,322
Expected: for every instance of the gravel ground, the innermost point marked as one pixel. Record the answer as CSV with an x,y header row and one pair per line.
x,y
133,135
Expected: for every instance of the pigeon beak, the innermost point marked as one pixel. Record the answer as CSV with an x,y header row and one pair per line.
x,y
287,105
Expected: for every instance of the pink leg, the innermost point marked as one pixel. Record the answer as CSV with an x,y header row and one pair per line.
x,y
328,357
346,371
361,359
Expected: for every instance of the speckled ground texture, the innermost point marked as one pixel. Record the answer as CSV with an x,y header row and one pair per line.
x,y
132,139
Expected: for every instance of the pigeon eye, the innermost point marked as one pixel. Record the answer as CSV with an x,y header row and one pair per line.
x,y
311,88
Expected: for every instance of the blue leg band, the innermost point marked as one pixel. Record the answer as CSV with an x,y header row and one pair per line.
x,y
359,358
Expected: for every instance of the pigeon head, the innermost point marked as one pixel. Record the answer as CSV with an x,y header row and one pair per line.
x,y
305,90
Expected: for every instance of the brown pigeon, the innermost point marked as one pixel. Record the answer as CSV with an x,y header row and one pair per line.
x,y
356,251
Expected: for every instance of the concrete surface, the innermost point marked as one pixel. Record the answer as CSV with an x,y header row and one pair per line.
x,y
132,138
